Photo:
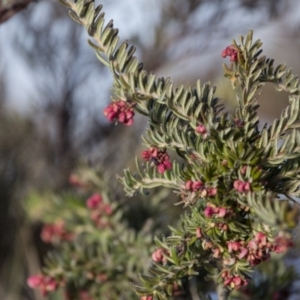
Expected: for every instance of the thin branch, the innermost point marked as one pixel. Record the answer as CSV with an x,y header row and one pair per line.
x,y
222,292
9,10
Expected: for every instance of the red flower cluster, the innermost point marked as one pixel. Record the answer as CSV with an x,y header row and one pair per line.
x,y
44,283
158,255
235,282
232,52
219,212
146,298
94,201
282,244
258,249
52,233
199,233
160,158
242,186
120,111
99,209
201,129
255,251
193,186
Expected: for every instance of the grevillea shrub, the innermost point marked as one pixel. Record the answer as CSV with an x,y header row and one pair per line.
x,y
93,253
236,183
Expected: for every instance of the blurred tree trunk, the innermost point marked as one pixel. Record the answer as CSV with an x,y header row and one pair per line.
x,y
8,8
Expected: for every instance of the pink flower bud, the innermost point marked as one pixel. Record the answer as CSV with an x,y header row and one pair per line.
x,y
199,233
236,246
208,212
197,185
233,58
128,122
225,227
167,164
282,244
252,245
120,111
261,238
50,284
232,52
222,212
146,155
159,158
201,129
161,168
107,209
244,252
154,152
244,170
238,185
129,115
227,281
247,187
94,201
35,281
224,53
146,298
122,117
233,246
207,244
188,185
212,192
237,280
241,186
216,253
158,255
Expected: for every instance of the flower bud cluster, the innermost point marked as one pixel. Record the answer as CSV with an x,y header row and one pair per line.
x,y
160,158
242,186
159,255
282,244
214,211
231,52
56,232
195,186
254,251
98,210
120,111
146,297
235,282
259,248
201,129
45,284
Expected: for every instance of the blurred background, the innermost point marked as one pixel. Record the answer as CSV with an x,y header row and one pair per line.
x,y
53,91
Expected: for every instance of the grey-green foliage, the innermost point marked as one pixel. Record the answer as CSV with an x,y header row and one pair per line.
x,y
216,158
115,252
272,279
174,113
